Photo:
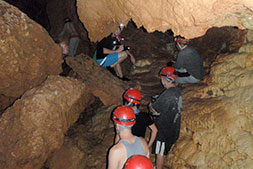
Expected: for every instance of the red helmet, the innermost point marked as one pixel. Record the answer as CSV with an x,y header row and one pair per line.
x,y
182,40
169,73
124,115
138,162
133,95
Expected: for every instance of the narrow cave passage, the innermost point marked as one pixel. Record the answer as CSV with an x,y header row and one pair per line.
x,y
90,137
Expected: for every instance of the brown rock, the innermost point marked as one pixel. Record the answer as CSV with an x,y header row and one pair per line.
x,y
35,125
220,122
27,53
68,157
100,81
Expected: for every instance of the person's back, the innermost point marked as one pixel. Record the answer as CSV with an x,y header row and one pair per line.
x,y
167,123
133,148
126,148
190,59
167,108
124,119
189,64
143,121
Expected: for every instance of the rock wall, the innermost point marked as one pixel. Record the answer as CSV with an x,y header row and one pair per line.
x,y
27,54
35,125
217,129
187,18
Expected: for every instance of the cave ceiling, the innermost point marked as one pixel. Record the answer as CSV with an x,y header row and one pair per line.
x,y
186,18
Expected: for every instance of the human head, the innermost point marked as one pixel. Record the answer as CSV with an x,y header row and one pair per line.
x,y
119,29
168,75
181,42
124,115
132,97
138,162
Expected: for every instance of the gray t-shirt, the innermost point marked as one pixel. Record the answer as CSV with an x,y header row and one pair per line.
x,y
189,59
169,105
133,149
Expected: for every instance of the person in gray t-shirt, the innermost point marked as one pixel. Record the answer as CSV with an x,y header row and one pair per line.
x,y
128,145
189,64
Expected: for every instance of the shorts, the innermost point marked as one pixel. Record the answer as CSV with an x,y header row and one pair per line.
x,y
110,59
161,148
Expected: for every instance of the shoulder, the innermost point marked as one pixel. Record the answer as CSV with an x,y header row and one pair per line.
x,y
172,92
117,157
116,150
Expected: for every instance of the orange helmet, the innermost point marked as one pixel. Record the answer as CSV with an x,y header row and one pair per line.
x,y
133,96
169,73
124,115
138,162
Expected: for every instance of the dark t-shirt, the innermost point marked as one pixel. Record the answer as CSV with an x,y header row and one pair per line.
x,y
189,59
169,105
109,42
143,120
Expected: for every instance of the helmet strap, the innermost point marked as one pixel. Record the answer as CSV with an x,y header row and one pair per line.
x,y
180,46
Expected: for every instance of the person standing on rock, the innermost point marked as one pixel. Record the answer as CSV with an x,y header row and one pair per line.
x,y
189,64
110,52
167,109
124,119
132,98
70,35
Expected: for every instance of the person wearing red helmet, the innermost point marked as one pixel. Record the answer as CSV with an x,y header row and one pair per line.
x,y
132,98
138,162
167,109
124,118
189,64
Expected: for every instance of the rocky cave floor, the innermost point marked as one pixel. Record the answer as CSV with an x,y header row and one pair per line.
x,y
152,52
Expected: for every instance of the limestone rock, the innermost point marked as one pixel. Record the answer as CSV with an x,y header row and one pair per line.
x,y
27,54
189,19
220,123
35,125
68,157
101,82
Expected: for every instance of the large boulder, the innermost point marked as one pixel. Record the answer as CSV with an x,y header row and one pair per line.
x,y
35,125
102,83
27,54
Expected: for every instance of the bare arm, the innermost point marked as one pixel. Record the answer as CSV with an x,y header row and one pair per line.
x,y
153,134
113,158
132,58
109,51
